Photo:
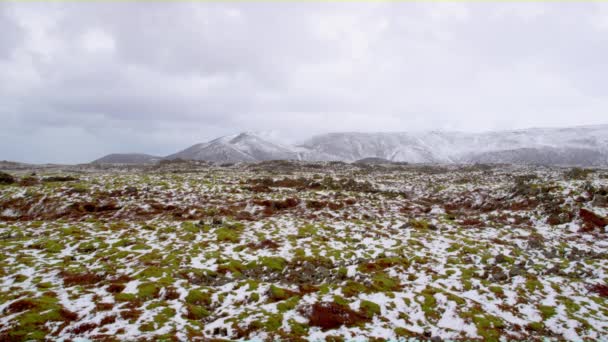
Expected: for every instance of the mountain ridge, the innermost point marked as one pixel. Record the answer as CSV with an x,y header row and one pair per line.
x,y
578,145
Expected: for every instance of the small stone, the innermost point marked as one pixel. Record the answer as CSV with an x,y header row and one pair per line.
x,y
500,258
517,271
599,201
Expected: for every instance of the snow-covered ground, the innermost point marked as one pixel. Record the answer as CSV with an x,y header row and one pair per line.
x,y
355,252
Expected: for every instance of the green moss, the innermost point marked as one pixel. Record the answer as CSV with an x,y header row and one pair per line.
x,y
148,291
198,297
30,324
402,332
537,326
571,306
496,289
232,266
276,293
225,234
455,298
163,317
353,288
418,224
273,263
308,230
533,284
253,285
289,304
382,282
19,278
190,227
488,326
52,246
152,272
429,304
547,311
86,247
369,309
148,326
273,322
341,300
296,328
125,297
44,285
197,312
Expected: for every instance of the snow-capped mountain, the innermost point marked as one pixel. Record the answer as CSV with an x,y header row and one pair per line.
x,y
585,145
246,146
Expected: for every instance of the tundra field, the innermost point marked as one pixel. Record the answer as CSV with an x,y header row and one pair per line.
x,y
294,250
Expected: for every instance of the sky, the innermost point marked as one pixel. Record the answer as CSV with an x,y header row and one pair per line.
x,y
81,80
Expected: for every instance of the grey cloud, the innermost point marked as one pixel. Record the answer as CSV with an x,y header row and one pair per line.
x,y
156,77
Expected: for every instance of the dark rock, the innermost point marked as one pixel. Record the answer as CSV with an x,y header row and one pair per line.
x,y
535,243
59,179
517,270
497,274
599,201
130,190
553,270
500,258
5,178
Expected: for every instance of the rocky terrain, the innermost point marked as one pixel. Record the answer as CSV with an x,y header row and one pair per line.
x,y
575,146
301,250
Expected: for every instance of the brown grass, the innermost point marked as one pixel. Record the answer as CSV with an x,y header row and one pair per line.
x,y
328,315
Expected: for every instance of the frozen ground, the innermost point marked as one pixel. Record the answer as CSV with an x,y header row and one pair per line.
x,y
314,251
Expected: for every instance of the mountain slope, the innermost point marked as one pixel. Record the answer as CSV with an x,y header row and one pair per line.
x,y
587,145
237,148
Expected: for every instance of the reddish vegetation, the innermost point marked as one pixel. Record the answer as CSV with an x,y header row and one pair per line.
x,y
350,201
335,205
244,216
21,305
29,181
259,188
108,320
70,279
327,315
307,288
600,289
171,293
266,244
84,327
471,222
94,207
116,288
316,205
270,206
131,314
104,306
591,218
68,315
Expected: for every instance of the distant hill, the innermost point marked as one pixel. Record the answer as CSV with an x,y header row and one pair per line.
x,y
373,161
128,158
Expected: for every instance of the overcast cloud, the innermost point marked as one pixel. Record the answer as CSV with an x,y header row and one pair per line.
x,y
80,80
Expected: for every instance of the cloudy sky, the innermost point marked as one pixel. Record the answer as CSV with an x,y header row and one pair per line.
x,y
80,80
